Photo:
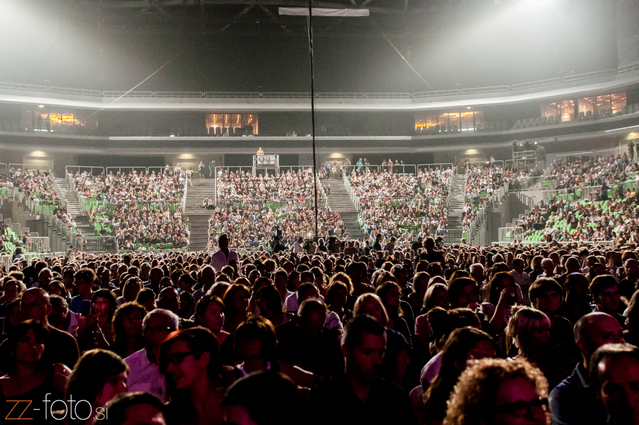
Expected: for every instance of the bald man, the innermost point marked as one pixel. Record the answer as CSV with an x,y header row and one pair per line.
x,y
574,400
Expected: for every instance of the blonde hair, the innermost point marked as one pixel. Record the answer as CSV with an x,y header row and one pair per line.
x,y
364,298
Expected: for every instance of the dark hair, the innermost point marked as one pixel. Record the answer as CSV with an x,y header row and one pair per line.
x,y
121,403
144,295
230,293
492,289
86,274
90,375
39,331
456,285
118,322
203,304
444,322
269,398
58,284
356,327
333,289
602,282
453,362
258,328
200,340
7,326
543,284
271,297
616,351
383,289
108,295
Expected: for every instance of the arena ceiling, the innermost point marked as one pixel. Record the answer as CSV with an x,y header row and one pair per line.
x,y
247,16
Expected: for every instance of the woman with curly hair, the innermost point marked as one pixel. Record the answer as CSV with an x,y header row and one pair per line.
x,y
499,392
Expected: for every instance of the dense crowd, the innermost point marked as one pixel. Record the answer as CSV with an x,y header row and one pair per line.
x,y
254,210
403,206
138,208
233,185
579,172
484,181
255,224
132,186
407,335
595,219
35,184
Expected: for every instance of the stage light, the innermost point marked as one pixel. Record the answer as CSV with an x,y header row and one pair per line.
x,y
40,106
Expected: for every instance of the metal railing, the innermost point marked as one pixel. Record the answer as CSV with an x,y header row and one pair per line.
x,y
25,167
137,168
350,191
348,169
94,170
323,95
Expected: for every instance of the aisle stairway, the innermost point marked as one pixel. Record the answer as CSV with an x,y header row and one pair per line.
x,y
73,208
456,203
339,201
198,216
80,217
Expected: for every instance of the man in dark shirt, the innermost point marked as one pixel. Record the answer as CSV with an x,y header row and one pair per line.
x,y
573,401
307,343
62,347
361,396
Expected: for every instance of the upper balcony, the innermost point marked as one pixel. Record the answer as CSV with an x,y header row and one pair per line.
x,y
576,85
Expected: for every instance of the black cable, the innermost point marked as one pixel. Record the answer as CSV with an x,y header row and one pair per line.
x,y
310,50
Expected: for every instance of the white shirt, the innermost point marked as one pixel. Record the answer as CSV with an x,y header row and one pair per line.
x,y
145,376
219,260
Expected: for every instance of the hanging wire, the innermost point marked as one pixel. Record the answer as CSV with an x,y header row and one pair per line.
x,y
143,81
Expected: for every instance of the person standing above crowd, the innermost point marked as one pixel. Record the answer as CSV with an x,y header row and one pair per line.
x,y
224,256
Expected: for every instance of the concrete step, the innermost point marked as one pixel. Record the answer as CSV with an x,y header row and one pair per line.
x,y
340,201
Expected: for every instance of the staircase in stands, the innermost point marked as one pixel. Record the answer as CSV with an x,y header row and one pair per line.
x,y
80,217
198,216
456,203
341,202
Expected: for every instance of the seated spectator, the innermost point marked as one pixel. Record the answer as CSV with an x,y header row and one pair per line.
x,y
144,365
361,396
191,363
135,408
499,392
265,398
528,334
614,373
256,350
605,294
30,375
307,343
463,344
127,329
395,362
574,400
209,312
97,377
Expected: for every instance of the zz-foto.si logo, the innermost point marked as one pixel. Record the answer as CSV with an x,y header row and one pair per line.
x,y
58,410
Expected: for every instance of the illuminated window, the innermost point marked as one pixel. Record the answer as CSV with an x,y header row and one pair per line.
x,y
61,119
